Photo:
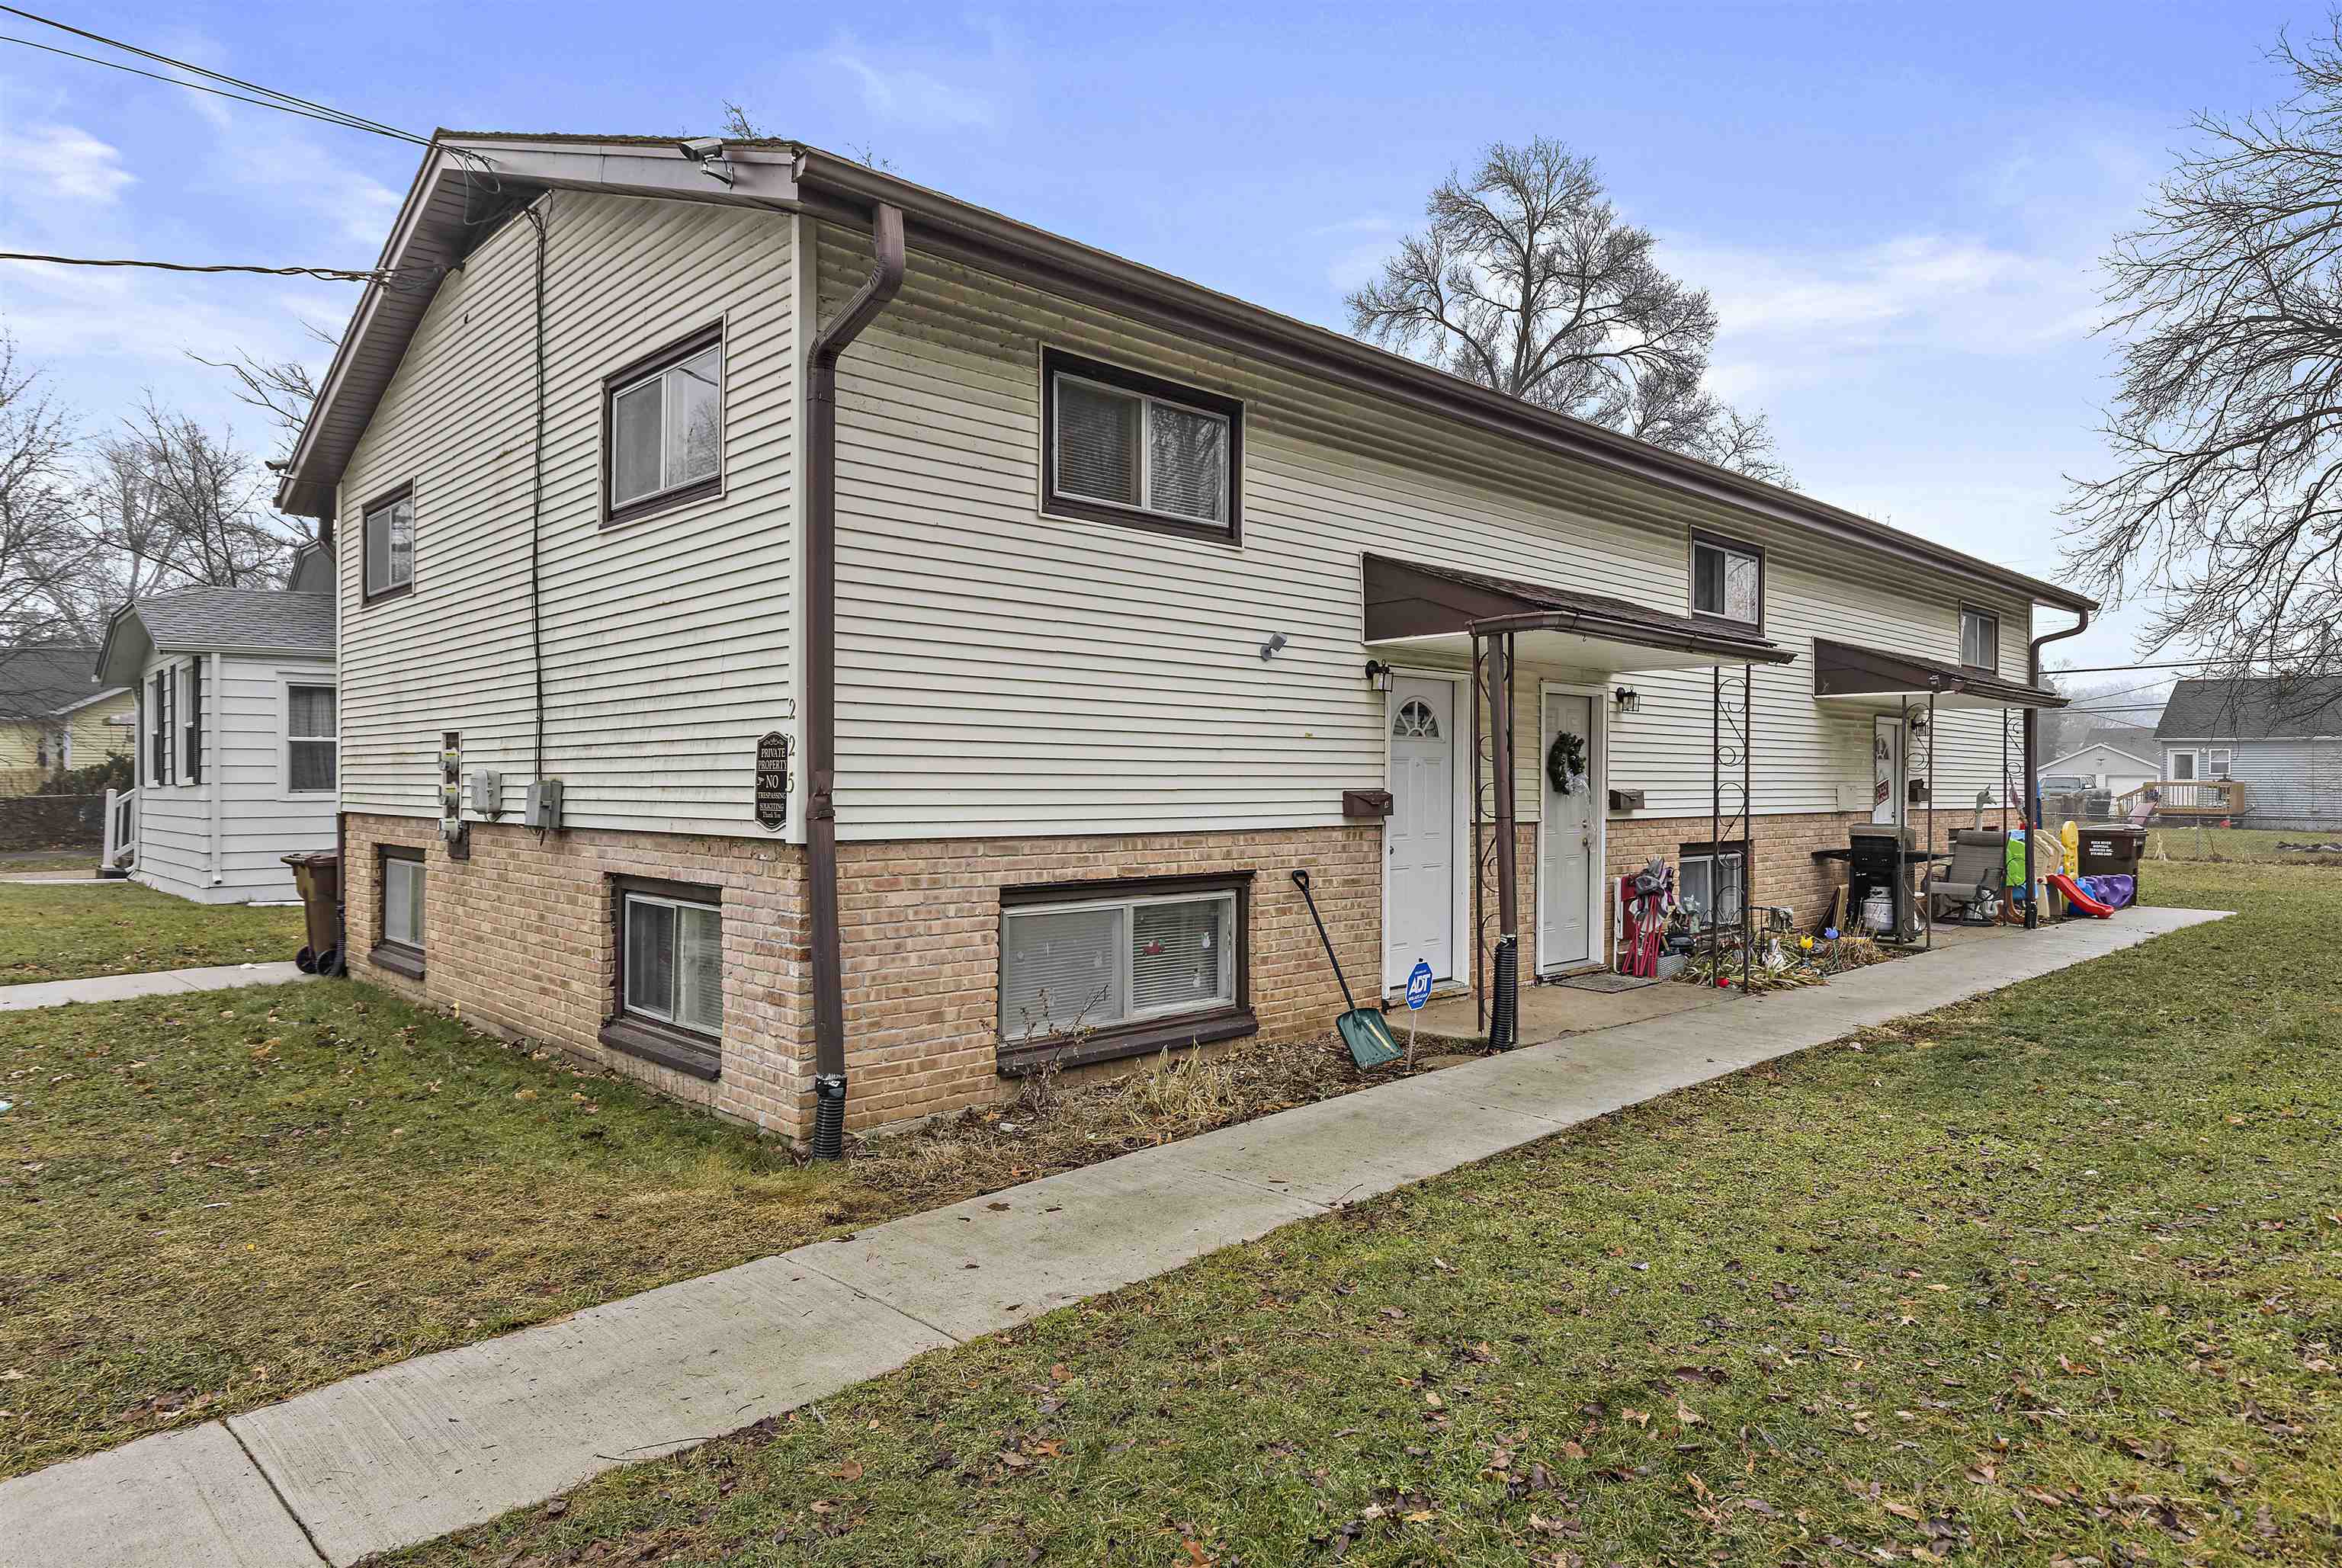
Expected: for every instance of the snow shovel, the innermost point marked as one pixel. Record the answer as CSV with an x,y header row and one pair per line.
x,y
1363,1030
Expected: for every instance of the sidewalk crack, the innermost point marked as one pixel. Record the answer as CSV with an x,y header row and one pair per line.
x,y
276,1492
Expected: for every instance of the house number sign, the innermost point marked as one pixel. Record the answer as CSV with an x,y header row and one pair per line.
x,y
773,781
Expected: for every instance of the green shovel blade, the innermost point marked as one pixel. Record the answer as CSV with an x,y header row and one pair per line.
x,y
1369,1038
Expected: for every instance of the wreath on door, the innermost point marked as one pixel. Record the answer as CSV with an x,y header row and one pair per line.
x,y
1565,761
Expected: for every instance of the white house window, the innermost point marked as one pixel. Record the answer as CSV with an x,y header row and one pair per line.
x,y
1416,722
2215,763
310,745
1127,447
2183,767
672,963
1979,640
666,426
1713,897
1069,968
390,546
191,723
1727,581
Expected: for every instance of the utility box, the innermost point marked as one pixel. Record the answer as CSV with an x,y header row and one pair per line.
x,y
544,809
488,794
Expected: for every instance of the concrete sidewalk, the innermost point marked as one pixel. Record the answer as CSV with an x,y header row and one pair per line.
x,y
161,983
410,1452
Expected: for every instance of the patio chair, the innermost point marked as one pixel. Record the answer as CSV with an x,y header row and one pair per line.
x,y
1976,880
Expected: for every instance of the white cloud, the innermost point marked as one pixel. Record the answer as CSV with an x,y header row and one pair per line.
x,y
911,96
66,162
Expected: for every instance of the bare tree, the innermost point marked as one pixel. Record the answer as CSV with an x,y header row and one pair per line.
x,y
41,549
173,505
281,389
2228,417
1527,281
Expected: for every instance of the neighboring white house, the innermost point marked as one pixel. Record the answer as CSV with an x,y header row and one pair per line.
x,y
2107,766
948,639
2277,742
238,736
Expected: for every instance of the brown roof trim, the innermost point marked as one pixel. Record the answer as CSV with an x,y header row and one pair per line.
x,y
953,230
1849,670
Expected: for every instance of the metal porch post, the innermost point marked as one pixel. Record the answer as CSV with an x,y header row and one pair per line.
x,y
1503,1007
1928,871
1748,816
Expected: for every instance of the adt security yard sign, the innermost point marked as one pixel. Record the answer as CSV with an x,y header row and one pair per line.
x,y
1418,985
1419,991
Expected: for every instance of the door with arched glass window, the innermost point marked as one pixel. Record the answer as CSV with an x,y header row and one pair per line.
x,y
1419,836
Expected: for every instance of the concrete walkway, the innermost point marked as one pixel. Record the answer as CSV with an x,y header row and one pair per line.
x,y
161,983
413,1451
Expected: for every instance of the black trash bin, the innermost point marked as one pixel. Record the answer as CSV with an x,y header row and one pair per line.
x,y
2111,850
317,876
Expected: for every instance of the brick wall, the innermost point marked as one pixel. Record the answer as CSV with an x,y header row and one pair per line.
x,y
920,923
519,937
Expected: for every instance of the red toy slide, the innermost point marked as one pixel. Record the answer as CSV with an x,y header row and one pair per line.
x,y
2078,898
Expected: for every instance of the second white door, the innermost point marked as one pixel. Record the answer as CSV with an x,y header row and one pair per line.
x,y
1566,888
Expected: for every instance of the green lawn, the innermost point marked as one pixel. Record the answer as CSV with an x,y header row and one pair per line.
x,y
2050,1278
72,930
2236,843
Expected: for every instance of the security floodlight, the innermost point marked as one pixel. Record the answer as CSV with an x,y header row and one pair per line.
x,y
707,152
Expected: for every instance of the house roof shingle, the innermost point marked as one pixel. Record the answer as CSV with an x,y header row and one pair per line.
x,y
41,680
2252,708
267,618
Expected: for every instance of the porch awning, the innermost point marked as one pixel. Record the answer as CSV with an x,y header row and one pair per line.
x,y
1846,675
1410,605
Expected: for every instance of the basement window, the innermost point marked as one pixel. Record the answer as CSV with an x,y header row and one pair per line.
x,y
670,953
663,427
1122,447
1094,971
400,949
1711,884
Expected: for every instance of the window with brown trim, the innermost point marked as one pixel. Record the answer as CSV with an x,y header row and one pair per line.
x,y
669,942
1121,447
1092,971
1728,580
388,528
400,951
662,428
1980,638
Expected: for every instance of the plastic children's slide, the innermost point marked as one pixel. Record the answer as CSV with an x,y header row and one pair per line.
x,y
2078,898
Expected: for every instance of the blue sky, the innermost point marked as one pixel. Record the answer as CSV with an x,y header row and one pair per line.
x,y
1898,209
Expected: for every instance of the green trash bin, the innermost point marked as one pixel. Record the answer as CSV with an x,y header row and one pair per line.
x,y
317,877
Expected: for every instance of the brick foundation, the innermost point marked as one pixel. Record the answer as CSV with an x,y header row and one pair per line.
x,y
520,938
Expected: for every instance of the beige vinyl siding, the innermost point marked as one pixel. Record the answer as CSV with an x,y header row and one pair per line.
x,y
256,821
94,738
667,639
1002,672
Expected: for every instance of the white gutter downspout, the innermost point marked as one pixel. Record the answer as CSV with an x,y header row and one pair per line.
x,y
213,700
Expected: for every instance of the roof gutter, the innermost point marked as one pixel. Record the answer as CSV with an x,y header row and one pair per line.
x,y
821,674
2033,760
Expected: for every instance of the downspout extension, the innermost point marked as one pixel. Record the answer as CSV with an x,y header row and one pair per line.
x,y
884,281
2033,759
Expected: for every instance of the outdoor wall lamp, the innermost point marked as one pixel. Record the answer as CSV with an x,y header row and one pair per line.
x,y
1379,674
1275,644
1627,700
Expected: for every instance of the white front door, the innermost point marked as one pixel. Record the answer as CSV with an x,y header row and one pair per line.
x,y
1566,868
1419,837
1887,790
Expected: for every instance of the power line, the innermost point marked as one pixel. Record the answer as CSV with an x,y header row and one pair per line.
x,y
290,102
324,273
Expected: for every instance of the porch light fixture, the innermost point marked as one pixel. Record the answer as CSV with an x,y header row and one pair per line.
x,y
1379,674
1275,645
1626,700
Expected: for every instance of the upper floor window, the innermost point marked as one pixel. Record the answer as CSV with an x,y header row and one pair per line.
x,y
1980,639
1122,447
1727,581
665,426
390,544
